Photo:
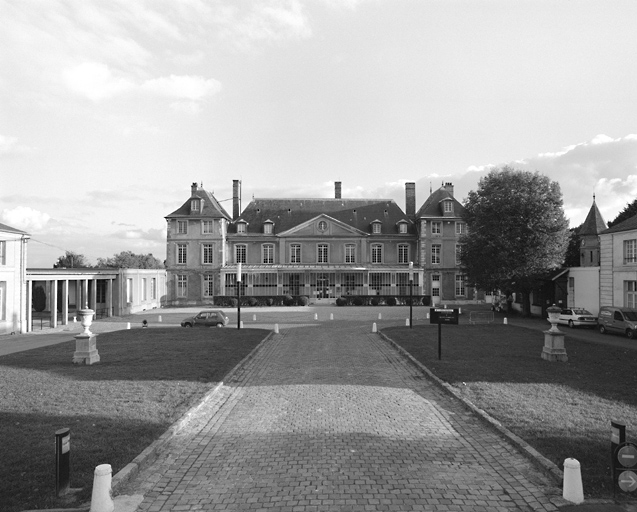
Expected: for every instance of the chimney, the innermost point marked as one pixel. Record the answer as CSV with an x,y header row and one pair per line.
x,y
193,189
449,188
410,199
337,189
236,199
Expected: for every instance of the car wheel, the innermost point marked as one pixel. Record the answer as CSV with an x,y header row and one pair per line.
x,y
630,333
571,324
602,329
187,325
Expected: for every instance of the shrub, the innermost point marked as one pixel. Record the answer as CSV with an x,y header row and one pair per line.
x,y
39,299
358,301
233,302
375,301
391,301
303,300
288,300
252,301
269,301
341,301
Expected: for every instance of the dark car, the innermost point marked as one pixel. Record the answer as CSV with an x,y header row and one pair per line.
x,y
208,318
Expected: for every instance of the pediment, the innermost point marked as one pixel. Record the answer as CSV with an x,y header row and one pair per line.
x,y
322,226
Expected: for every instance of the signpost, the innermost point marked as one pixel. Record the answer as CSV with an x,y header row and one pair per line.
x,y
442,316
62,461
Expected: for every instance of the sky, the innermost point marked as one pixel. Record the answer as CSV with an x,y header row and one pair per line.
x,y
110,109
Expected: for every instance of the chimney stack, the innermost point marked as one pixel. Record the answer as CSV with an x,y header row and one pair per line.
x,y
337,189
449,188
193,189
236,199
410,199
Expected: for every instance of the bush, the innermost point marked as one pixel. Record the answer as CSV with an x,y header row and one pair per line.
x,y
252,301
375,301
341,301
288,300
269,301
358,301
233,302
303,300
391,301
39,299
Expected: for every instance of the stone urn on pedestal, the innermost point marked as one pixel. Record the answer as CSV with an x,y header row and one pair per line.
x,y
554,338
85,342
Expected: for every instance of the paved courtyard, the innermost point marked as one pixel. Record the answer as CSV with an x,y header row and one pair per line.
x,y
330,417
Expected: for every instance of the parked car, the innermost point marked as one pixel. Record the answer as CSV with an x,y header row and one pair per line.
x,y
618,320
208,318
577,317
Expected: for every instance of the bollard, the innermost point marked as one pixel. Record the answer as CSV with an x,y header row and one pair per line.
x,y
460,311
374,327
331,316
573,490
427,315
315,316
276,328
380,316
254,318
128,325
505,320
159,319
101,500
407,322
74,319
241,324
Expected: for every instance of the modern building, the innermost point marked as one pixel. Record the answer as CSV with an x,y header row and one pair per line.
x,y
13,267
320,248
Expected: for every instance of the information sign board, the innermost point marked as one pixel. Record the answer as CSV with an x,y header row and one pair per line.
x,y
443,316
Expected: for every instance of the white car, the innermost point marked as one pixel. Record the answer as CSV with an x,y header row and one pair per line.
x,y
577,317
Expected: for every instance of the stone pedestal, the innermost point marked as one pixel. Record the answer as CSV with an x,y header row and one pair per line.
x,y
554,346
86,349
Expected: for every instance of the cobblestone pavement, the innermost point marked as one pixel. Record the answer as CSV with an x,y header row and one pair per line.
x,y
331,418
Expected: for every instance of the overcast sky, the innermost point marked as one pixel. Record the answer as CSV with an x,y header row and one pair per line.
x,y
109,110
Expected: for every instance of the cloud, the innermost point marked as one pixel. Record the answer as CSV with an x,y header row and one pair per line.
x,y
148,235
192,88
25,218
9,147
96,81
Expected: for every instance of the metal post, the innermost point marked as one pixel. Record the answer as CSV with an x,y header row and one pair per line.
x,y
411,293
617,437
439,340
238,295
62,461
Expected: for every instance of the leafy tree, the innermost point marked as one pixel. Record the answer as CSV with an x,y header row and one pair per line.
x,y
572,257
517,231
39,299
128,259
629,211
71,260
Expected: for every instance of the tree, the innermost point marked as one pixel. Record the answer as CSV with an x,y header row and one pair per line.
x,y
128,259
572,256
517,232
71,260
629,211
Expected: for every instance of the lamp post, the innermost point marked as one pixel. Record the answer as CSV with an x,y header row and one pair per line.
x,y
411,292
238,295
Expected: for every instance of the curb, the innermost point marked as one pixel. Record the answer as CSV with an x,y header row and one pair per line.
x,y
545,464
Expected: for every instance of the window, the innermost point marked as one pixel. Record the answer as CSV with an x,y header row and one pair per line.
x,y
100,291
129,290
182,253
208,285
403,253
458,254
267,228
144,289
377,253
182,227
206,227
194,205
435,254
630,251
322,253
182,285
208,254
3,252
350,253
268,253
436,228
435,285
461,228
376,228
241,228
153,288
380,282
630,289
322,226
295,253
402,228
240,253
448,206
460,285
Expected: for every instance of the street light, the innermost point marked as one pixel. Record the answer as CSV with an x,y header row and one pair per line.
x,y
411,290
238,295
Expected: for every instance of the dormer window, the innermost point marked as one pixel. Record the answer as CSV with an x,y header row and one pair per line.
x,y
376,225
402,227
195,205
268,228
241,228
448,206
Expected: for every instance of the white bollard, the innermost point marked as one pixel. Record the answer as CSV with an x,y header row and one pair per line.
x,y
374,327
159,319
505,320
427,315
407,322
128,325
460,311
241,324
573,490
276,328
74,319
331,316
315,316
101,500
380,316
254,318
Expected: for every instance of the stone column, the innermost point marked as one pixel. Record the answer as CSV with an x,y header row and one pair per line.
x,y
54,303
65,302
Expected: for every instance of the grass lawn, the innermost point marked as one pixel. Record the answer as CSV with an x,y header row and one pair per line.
x,y
146,380
561,409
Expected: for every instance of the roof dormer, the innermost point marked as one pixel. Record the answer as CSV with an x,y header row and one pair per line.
x,y
376,227
242,226
268,227
446,205
403,226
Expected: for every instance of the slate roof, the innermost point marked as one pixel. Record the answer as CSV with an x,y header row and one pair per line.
x,y
432,207
211,207
627,225
594,223
357,213
9,229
